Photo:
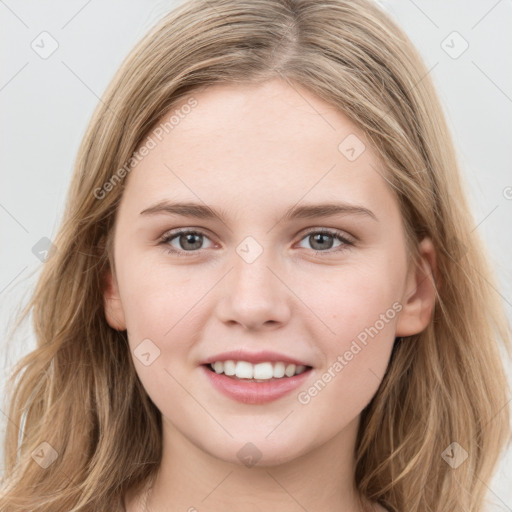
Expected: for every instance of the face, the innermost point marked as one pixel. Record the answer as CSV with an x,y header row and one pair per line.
x,y
330,289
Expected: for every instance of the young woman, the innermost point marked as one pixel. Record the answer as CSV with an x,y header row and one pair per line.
x,y
267,294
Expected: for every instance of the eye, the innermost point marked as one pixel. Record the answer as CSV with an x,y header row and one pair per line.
x,y
190,242
322,239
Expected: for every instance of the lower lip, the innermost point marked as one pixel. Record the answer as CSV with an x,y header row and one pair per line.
x,y
255,392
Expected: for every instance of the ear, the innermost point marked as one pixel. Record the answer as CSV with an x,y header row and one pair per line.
x,y
420,292
114,312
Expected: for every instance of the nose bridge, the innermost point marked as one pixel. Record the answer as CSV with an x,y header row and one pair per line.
x,y
253,294
251,267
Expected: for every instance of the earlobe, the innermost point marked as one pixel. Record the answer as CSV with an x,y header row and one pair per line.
x,y
420,292
113,307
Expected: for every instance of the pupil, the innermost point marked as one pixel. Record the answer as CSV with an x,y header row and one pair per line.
x,y
319,237
189,238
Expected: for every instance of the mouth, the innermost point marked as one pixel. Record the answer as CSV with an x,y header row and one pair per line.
x,y
261,372
254,391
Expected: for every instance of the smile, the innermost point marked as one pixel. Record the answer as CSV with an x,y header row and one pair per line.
x,y
243,387
257,372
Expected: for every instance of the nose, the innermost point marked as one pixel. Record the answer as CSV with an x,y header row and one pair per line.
x,y
254,294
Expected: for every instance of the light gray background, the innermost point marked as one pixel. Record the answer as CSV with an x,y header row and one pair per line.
x,y
46,104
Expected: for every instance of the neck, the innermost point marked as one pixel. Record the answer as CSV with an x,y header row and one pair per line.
x,y
193,480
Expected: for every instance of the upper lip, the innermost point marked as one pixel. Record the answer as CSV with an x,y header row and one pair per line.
x,y
254,357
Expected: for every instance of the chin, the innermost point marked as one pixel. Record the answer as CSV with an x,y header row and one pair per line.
x,y
255,450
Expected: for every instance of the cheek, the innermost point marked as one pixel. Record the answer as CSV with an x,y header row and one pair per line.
x,y
148,305
356,356
159,309
360,309
349,299
161,303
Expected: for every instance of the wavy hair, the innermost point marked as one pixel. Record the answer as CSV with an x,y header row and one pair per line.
x,y
77,396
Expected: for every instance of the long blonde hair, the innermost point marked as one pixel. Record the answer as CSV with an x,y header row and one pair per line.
x,y
82,429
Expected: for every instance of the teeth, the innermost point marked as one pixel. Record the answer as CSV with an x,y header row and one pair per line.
x,y
279,369
259,371
263,371
243,370
229,367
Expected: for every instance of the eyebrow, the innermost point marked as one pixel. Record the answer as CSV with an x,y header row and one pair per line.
x,y
201,211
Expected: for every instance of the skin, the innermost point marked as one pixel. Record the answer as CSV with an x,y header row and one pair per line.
x,y
252,151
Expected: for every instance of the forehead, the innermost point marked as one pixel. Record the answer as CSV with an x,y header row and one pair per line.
x,y
257,117
254,145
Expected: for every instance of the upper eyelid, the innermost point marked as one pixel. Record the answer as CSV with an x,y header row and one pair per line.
x,y
178,231
171,234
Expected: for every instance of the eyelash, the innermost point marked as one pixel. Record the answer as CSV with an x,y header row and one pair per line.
x,y
167,237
